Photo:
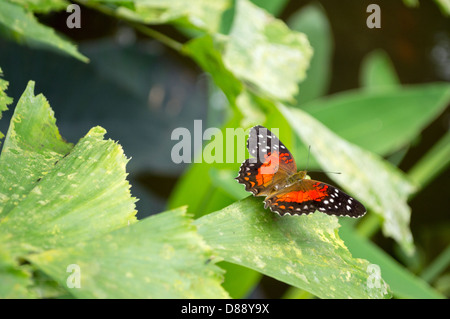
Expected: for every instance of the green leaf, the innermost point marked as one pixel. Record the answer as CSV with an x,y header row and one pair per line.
x,y
224,179
46,197
444,6
25,27
159,257
432,163
14,280
42,6
260,53
264,52
437,266
274,7
71,206
201,14
381,121
4,99
206,52
32,146
239,281
376,183
304,251
377,72
403,283
196,189
312,21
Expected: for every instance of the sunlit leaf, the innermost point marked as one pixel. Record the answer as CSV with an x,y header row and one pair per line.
x,y
48,190
304,251
263,51
202,14
380,186
159,257
25,27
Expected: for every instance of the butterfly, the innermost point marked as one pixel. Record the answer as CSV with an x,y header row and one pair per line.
x,y
272,172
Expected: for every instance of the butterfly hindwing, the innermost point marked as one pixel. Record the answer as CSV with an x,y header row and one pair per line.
x,y
271,162
307,196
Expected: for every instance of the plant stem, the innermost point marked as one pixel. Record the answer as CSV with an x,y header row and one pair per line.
x,y
369,226
177,46
437,266
432,163
111,11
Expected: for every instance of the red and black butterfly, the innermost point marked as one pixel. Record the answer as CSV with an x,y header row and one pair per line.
x,y
272,172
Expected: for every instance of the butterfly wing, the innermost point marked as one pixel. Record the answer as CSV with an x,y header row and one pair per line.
x,y
306,196
271,163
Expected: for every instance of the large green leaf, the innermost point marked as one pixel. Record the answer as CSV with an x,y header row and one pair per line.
x,y
304,251
25,27
376,183
72,206
264,52
257,48
195,189
159,257
46,196
32,146
381,121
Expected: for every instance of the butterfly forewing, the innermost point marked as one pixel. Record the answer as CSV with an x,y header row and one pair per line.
x,y
271,162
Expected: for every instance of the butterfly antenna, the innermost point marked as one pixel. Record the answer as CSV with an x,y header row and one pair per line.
x,y
326,172
307,164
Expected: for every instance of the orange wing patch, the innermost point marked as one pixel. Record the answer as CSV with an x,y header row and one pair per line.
x,y
303,196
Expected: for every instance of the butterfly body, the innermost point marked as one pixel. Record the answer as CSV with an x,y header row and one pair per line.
x,y
273,173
